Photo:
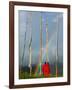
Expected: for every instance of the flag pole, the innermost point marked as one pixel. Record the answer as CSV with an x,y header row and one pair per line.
x,y
57,50
30,50
40,43
30,43
47,40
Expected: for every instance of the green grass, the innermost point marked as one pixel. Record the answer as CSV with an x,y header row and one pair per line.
x,y
26,75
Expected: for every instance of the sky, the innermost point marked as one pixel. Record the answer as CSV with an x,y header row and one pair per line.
x,y
29,22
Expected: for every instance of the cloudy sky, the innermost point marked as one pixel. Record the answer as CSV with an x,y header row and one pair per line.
x,y
29,22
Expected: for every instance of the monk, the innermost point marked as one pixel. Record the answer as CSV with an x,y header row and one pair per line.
x,y
46,69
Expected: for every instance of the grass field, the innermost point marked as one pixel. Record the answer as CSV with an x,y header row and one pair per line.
x,y
26,75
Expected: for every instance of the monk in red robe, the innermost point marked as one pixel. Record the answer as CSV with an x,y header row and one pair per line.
x,y
46,69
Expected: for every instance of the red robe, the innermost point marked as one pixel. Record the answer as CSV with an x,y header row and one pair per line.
x,y
46,69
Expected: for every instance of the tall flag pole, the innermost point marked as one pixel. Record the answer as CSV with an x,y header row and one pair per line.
x,y
30,43
40,44
57,50
47,40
